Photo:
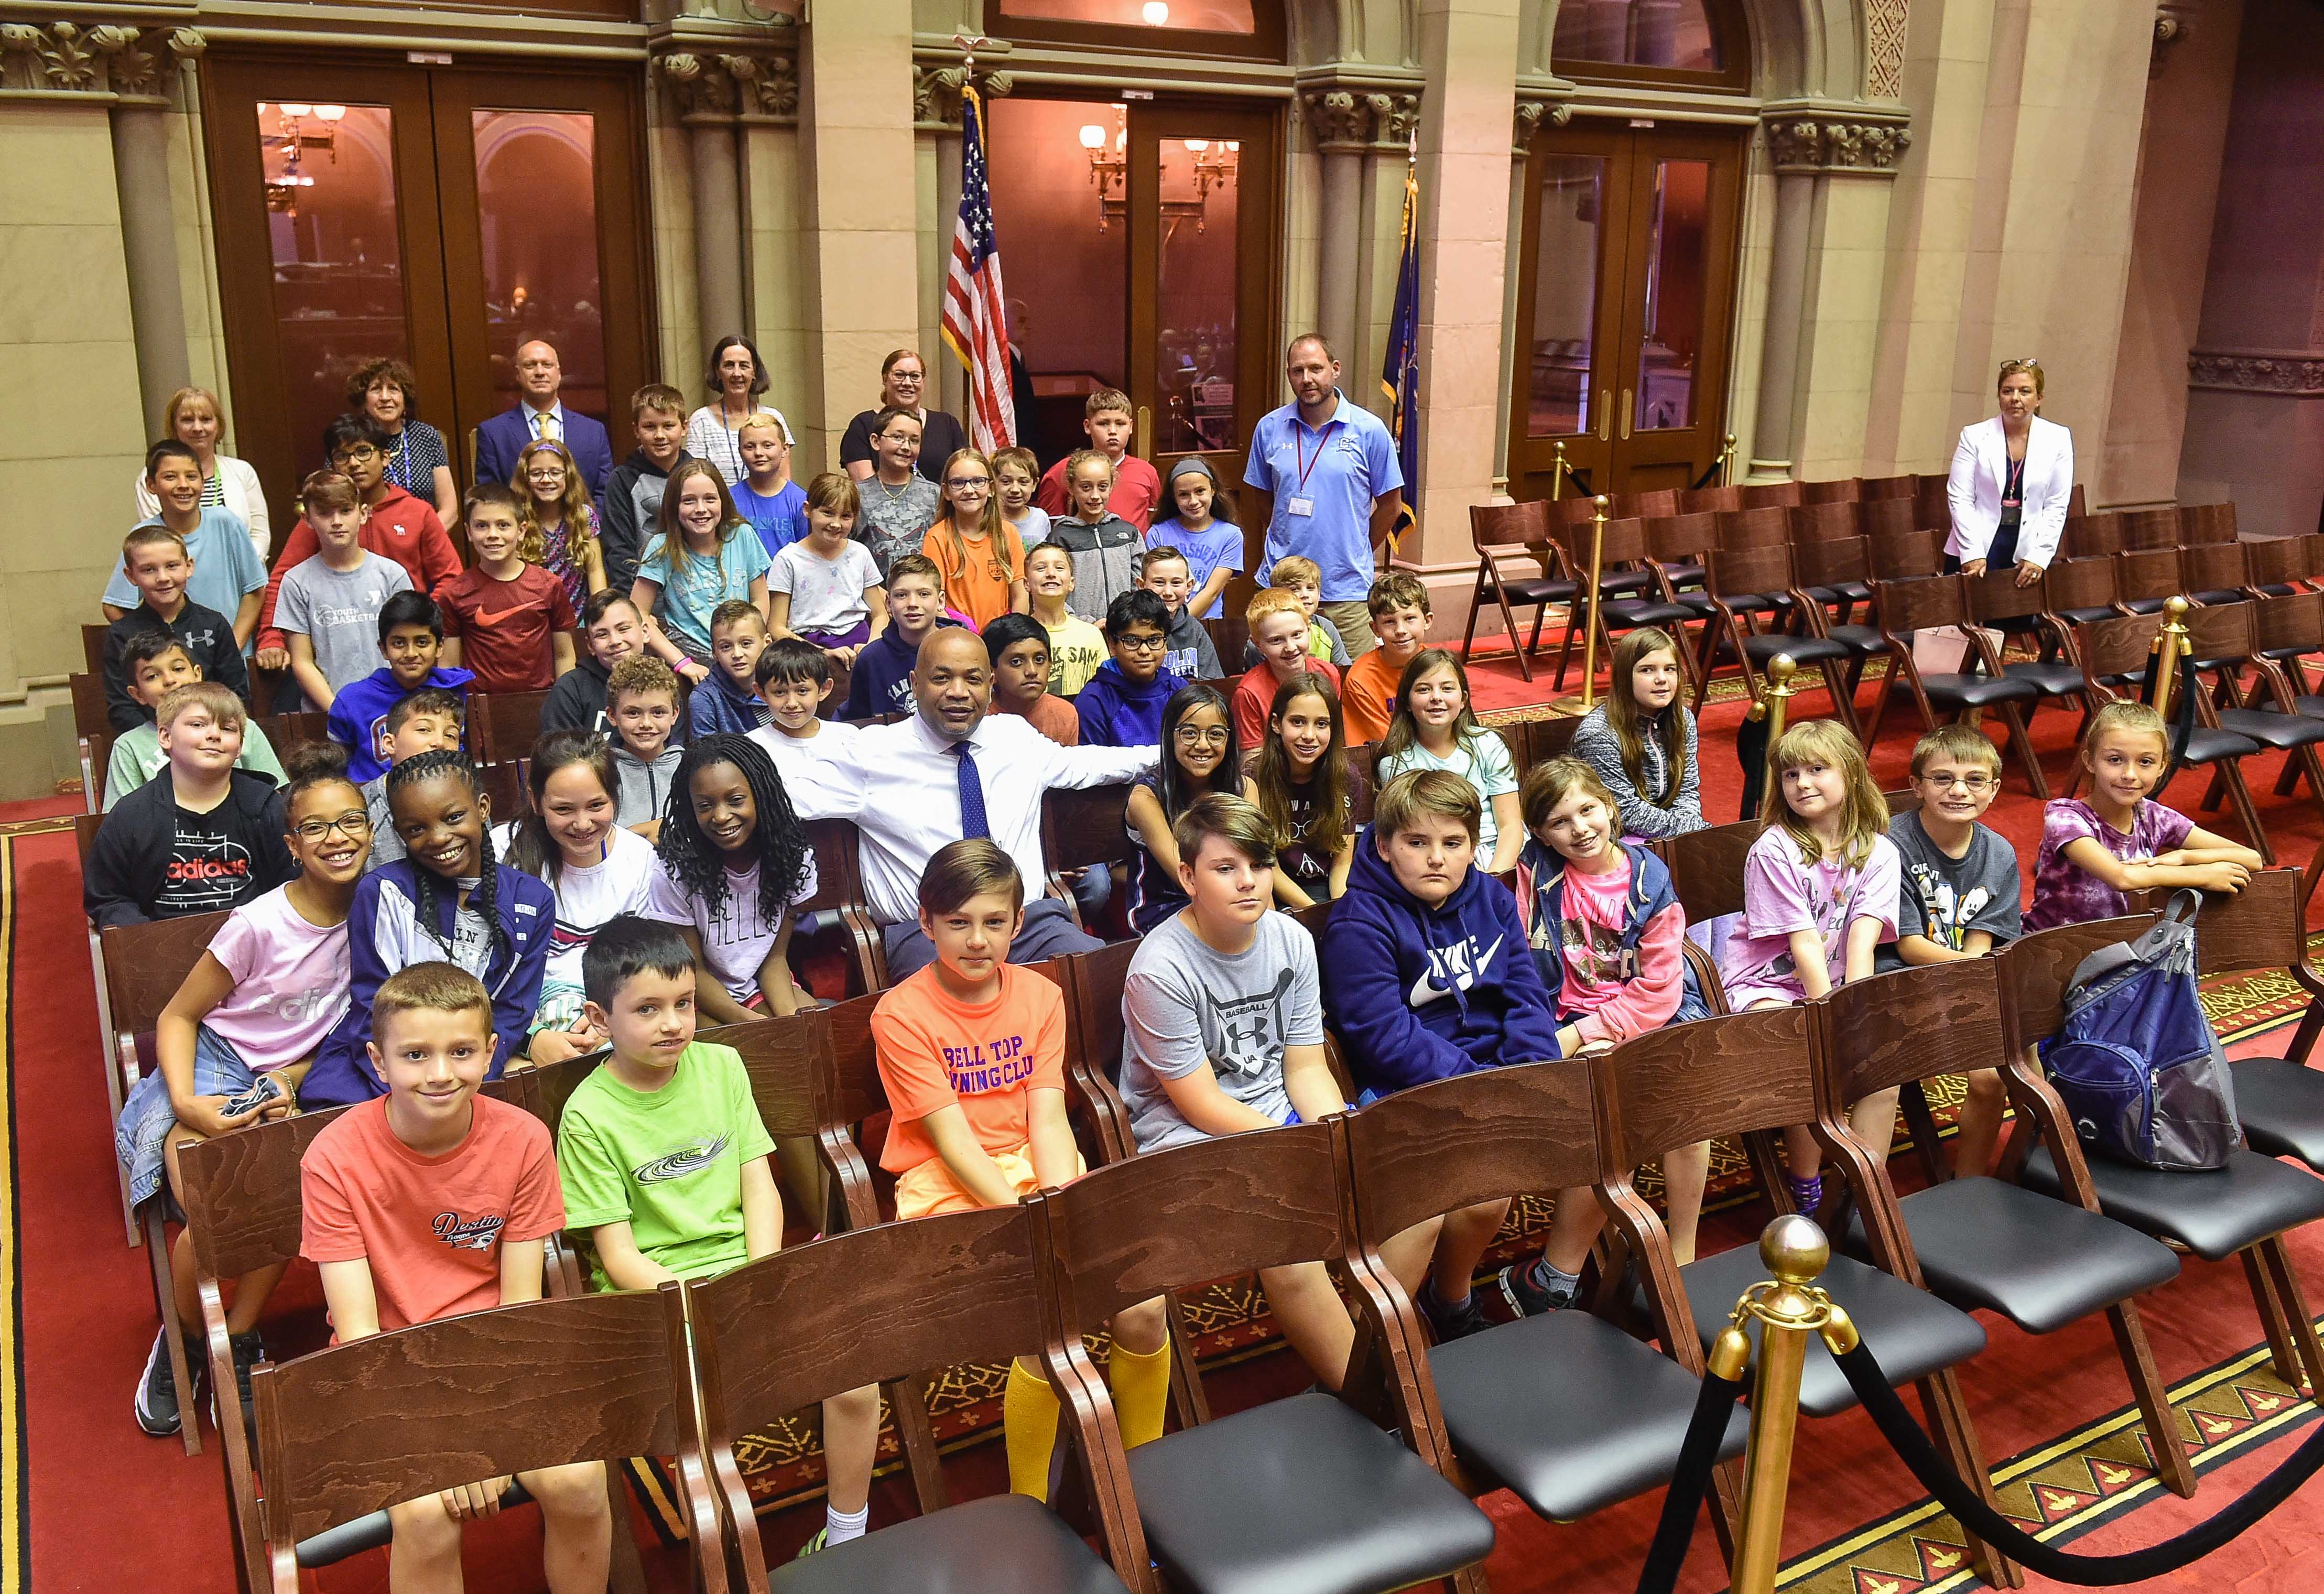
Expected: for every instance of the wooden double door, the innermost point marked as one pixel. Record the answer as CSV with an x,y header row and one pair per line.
x,y
1626,307
439,215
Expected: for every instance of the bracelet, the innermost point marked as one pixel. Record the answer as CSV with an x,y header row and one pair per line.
x,y
683,661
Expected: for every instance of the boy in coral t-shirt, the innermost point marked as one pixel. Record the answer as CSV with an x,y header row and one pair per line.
x,y
973,1054
430,1202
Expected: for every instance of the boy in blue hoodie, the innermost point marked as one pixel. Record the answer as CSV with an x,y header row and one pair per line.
x,y
728,700
1428,974
410,635
1123,705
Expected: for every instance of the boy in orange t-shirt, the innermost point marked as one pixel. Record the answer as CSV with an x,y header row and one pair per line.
x,y
1398,605
973,1054
430,1202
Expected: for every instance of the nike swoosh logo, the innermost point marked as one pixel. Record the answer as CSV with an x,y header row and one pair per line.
x,y
678,1164
490,617
1426,989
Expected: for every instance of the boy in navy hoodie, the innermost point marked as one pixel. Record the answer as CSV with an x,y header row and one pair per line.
x,y
1123,705
410,635
1428,974
728,700
880,682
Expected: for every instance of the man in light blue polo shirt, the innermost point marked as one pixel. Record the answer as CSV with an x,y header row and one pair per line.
x,y
1324,478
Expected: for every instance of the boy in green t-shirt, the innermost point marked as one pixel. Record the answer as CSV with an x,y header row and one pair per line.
x,y
664,1160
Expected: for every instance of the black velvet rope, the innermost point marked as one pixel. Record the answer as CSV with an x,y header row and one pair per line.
x,y
1689,1482
334,1544
2088,1572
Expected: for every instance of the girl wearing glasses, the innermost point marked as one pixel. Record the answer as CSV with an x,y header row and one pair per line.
x,y
982,561
1198,755
560,524
234,1042
2012,478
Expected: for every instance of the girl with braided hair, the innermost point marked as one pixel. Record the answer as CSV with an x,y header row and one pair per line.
x,y
447,900
731,860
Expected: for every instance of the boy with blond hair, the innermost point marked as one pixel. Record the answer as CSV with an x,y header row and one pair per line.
x,y
1304,578
1278,634
1136,488
1398,605
154,664
642,700
1076,646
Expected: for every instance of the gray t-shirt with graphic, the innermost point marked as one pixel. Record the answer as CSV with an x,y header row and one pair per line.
x,y
1184,1005
1945,899
337,611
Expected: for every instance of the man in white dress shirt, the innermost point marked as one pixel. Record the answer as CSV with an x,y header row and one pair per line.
x,y
952,771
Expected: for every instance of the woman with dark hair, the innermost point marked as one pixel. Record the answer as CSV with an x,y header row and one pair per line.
x,y
194,416
903,377
386,390
735,379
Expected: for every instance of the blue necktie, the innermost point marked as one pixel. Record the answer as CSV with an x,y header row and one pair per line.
x,y
972,824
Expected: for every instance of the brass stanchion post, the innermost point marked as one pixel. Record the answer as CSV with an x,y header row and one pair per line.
x,y
1587,698
1727,461
2171,643
1788,1310
1773,706
1557,475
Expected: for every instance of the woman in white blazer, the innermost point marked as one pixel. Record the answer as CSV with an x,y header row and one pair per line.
x,y
2011,479
192,416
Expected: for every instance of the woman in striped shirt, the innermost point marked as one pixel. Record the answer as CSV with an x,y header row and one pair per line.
x,y
386,390
194,418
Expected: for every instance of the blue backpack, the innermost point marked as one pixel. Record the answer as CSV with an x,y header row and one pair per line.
x,y
2137,1061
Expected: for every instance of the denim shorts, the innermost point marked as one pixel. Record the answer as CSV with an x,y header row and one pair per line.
x,y
146,1116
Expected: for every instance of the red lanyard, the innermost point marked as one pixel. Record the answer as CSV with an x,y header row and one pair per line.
x,y
1299,451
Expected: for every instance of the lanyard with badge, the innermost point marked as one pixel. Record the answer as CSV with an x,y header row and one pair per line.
x,y
1300,502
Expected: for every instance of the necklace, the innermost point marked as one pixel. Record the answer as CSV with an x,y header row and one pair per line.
x,y
892,495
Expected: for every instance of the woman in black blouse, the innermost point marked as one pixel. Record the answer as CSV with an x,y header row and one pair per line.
x,y
386,390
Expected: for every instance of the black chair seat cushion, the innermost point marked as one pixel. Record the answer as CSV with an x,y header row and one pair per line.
x,y
1630,613
1983,1242
2056,678
2298,650
2215,1214
1567,1412
2313,707
1617,581
1683,574
2087,616
2280,1106
1842,592
2277,589
1914,1332
999,1542
1300,1496
1862,641
1759,602
1699,604
2206,745
1804,650
2273,730
1967,691
2144,605
1535,589
2225,595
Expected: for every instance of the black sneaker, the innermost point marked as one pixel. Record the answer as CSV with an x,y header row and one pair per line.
x,y
156,1405
249,1350
1528,1296
1449,1323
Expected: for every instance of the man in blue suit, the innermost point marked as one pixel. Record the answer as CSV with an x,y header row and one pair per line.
x,y
539,414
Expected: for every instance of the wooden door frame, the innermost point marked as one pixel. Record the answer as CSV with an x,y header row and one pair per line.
x,y
1585,449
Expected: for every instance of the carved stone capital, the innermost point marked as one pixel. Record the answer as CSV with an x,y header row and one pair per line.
x,y
2290,373
708,85
767,86
1809,144
1393,116
1530,114
935,94
1339,118
127,64
700,89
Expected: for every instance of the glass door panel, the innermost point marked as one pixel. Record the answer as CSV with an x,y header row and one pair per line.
x,y
1672,330
537,222
1564,330
1195,295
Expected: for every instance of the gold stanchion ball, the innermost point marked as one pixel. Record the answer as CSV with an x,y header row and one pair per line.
x,y
1795,1248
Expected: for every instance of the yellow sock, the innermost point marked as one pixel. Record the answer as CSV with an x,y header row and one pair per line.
x,y
1029,1426
1141,1388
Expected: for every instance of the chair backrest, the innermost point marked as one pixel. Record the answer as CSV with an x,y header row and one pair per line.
x,y
2149,528
1094,989
2146,574
780,1057
1771,495
367,1424
85,829
1823,520
2276,560
1473,1137
1905,555
1734,572
1875,1032
89,716
1828,562
1768,526
1873,489
863,1307
145,964
504,790
1079,828
1706,868
1885,517
1552,738
2036,968
92,647
2087,537
1996,595
1695,500
2258,927
1846,490
1681,540
1124,1234
2213,567
1357,761
1907,606
285,731
2293,622
1624,542
241,1194
834,842
2082,584
849,1089
502,726
2117,647
2206,522
1673,1087
1651,505
2221,631
1505,526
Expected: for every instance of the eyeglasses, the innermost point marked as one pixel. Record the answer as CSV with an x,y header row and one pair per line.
x,y
1976,782
2028,363
355,454
1148,644
968,484
1209,735
355,824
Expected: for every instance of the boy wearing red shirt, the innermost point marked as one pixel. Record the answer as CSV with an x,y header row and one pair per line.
x,y
1137,487
510,621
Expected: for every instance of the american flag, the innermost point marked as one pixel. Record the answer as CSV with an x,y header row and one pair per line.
x,y
975,328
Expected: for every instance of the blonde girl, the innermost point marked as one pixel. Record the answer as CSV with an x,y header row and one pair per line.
x,y
1433,728
2121,840
1820,888
1300,782
560,523
971,541
1641,739
704,555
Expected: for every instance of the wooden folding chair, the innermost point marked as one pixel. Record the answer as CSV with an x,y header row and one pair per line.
x,y
2215,572
1083,829
1874,488
1753,1072
885,1305
1832,572
502,726
2242,1210
1996,600
1745,582
1630,595
1977,1242
2145,579
2207,522
1845,490
1508,529
1821,520
1907,606
1565,1410
2225,636
2280,565
1678,545
839,891
1310,1476
2148,528
347,1431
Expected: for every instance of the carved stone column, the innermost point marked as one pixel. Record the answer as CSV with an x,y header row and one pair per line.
x,y
1341,120
707,93
144,78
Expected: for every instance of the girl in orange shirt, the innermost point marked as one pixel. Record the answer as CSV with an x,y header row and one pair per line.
x,y
971,544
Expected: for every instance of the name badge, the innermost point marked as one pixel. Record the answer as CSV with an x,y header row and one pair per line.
x,y
1300,506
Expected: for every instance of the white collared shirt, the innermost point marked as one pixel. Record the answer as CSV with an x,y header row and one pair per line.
x,y
904,793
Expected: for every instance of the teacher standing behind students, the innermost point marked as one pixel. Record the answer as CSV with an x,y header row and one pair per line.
x,y
2012,478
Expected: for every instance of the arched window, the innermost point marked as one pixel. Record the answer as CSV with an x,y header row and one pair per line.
x,y
1672,43
1247,30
